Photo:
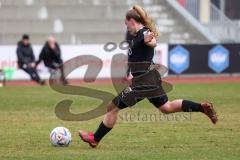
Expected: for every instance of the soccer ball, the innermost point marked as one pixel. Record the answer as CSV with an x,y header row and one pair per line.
x,y
60,137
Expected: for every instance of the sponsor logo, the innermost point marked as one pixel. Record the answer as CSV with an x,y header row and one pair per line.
x,y
218,58
179,59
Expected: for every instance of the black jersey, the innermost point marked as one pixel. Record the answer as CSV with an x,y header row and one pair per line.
x,y
139,52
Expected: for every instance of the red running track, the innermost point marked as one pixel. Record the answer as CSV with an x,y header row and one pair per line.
x,y
173,80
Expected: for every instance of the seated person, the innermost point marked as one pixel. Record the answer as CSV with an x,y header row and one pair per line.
x,y
51,56
26,59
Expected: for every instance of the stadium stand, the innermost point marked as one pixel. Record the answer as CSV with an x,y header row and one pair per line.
x,y
87,21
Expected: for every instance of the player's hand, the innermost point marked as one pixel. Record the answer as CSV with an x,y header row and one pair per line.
x,y
148,36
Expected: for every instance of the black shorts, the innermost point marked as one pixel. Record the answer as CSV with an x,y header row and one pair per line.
x,y
148,85
156,101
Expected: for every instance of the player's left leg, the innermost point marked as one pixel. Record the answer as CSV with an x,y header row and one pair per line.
x,y
189,106
167,107
110,119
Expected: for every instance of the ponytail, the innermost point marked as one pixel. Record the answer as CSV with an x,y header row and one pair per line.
x,y
146,19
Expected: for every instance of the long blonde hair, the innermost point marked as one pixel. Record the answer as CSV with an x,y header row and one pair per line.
x,y
141,16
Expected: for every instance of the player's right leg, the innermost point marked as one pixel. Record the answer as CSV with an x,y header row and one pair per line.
x,y
110,118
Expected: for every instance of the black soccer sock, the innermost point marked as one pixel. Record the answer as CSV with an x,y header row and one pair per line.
x,y
189,106
101,132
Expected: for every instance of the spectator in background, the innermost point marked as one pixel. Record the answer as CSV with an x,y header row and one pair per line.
x,y
2,78
51,56
26,59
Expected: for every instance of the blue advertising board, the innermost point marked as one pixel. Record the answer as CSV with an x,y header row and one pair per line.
x,y
179,59
218,58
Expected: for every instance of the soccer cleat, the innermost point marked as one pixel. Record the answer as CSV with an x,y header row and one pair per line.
x,y
88,137
210,112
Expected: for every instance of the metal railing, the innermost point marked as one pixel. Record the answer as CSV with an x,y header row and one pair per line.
x,y
223,28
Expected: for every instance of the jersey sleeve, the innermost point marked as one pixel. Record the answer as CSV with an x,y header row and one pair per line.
x,y
140,37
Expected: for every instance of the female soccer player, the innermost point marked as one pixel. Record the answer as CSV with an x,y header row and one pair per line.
x,y
140,24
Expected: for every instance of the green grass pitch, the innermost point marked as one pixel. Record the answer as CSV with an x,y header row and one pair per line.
x,y
27,117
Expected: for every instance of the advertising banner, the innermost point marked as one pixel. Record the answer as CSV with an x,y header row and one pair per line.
x,y
8,59
204,59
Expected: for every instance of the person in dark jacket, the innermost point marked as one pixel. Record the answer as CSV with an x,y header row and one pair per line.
x,y
51,56
2,78
26,59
